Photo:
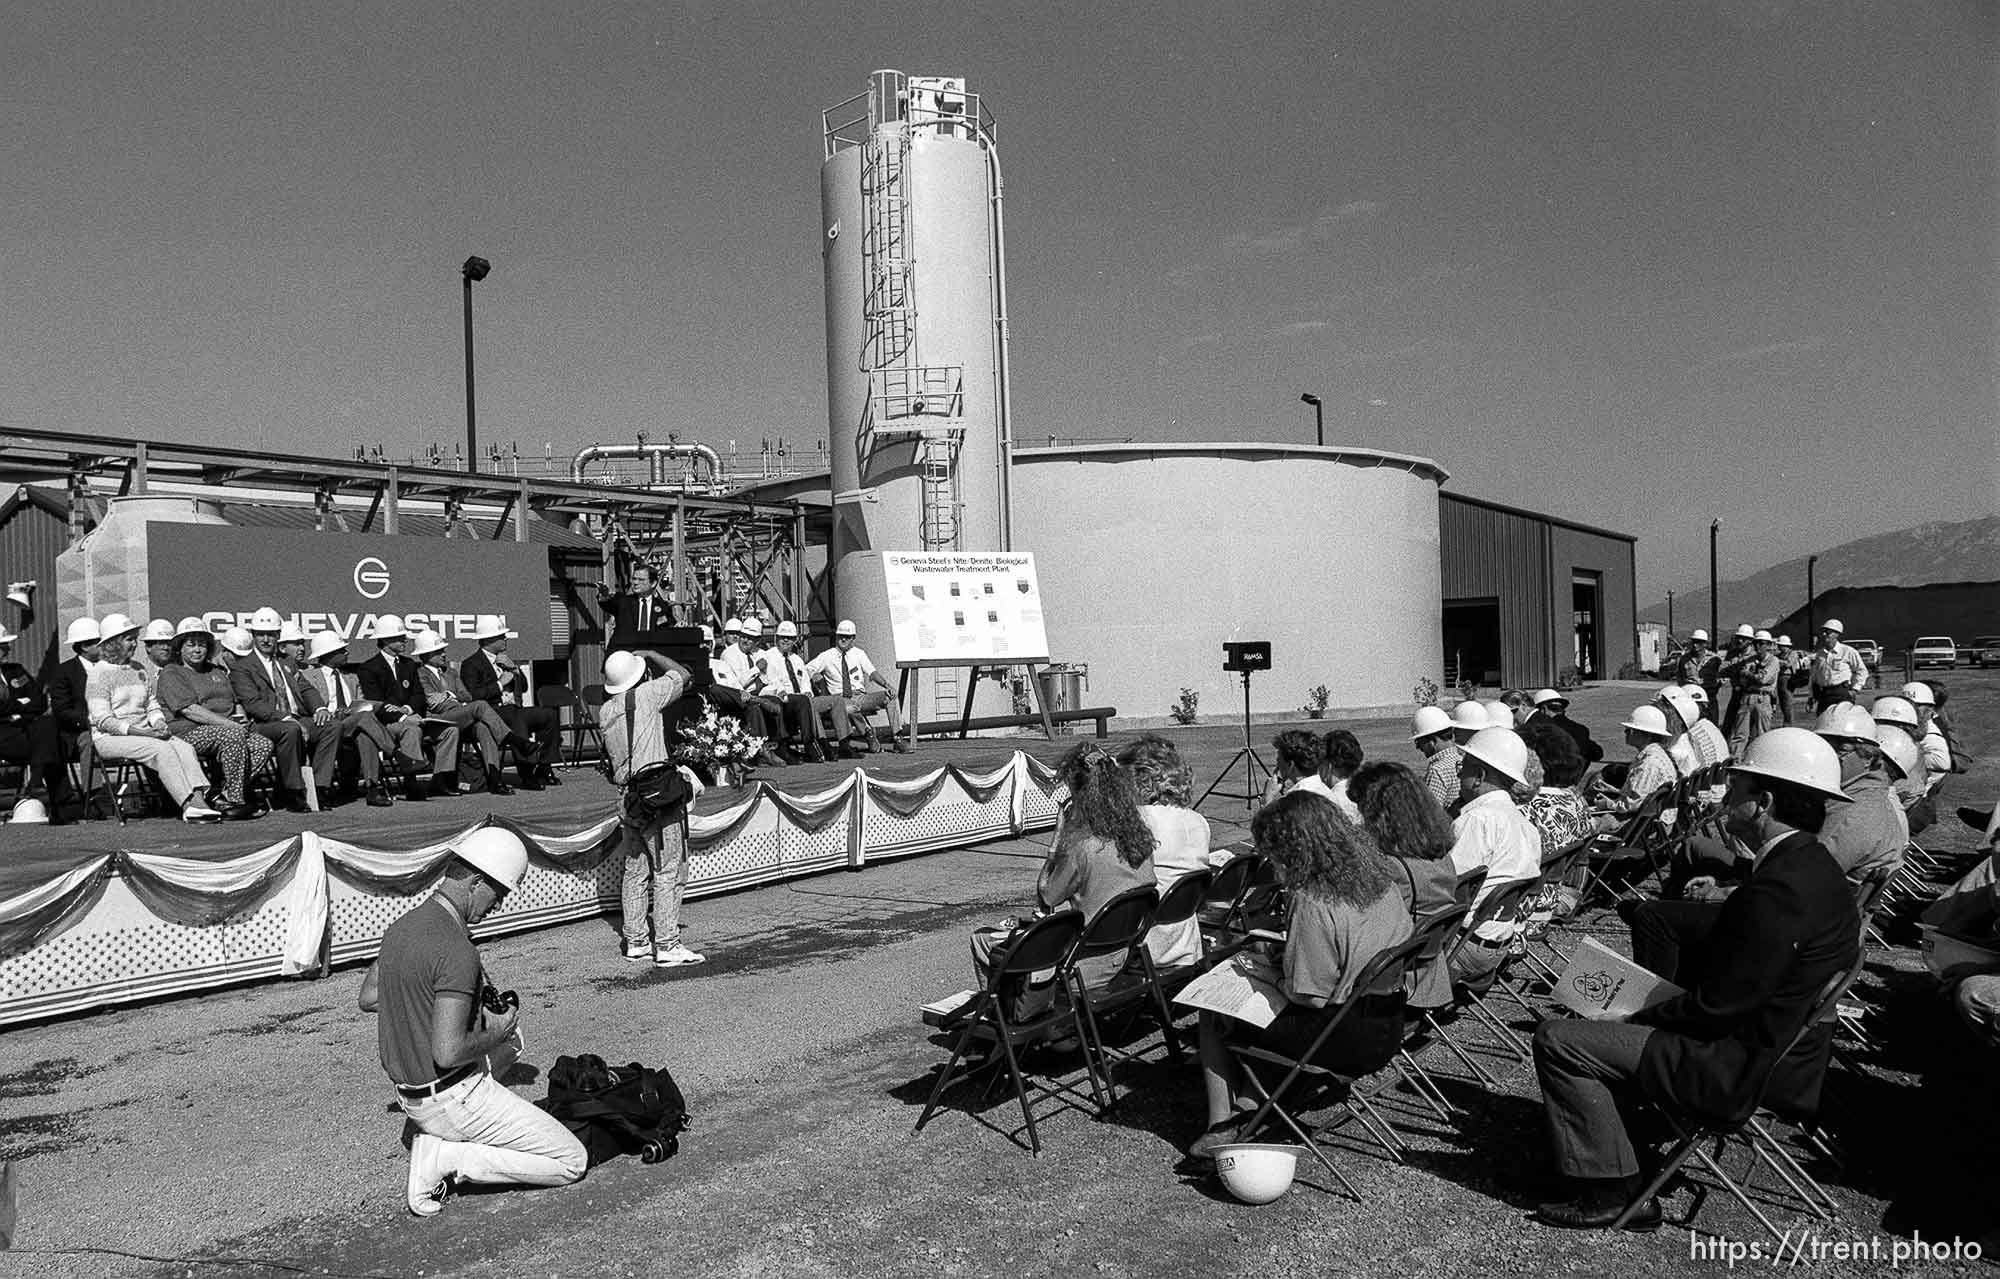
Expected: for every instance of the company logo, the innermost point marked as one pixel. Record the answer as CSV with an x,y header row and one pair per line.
x,y
371,577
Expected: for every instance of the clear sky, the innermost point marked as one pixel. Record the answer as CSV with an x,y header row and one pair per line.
x,y
1641,264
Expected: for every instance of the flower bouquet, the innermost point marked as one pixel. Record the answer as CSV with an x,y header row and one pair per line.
x,y
717,747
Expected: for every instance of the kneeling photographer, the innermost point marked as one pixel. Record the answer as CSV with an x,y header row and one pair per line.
x,y
438,1020
641,692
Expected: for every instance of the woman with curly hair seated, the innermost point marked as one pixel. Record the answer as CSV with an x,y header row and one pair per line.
x,y
1164,784
1404,819
1342,911
1102,848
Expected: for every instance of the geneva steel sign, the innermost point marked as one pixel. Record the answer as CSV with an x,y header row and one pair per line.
x,y
346,582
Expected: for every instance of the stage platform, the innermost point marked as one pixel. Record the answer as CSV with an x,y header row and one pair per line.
x,y
96,914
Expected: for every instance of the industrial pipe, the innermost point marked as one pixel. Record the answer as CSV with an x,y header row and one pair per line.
x,y
655,455
1001,373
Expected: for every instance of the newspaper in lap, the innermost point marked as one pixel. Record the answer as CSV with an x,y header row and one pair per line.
x,y
1246,988
1602,985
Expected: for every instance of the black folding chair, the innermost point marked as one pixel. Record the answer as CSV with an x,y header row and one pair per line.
x,y
1181,904
1502,905
1382,978
1693,1130
592,697
1436,931
1047,944
571,721
1119,925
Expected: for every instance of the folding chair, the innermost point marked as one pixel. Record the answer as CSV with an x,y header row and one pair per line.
x,y
1503,904
1047,944
1382,978
1120,924
592,697
571,722
1693,1130
1436,931
1242,892
1556,871
1181,904
1638,839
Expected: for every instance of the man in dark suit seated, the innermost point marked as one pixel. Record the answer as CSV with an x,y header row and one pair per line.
x,y
492,676
29,735
285,709
390,680
1709,1051
645,609
1554,707
399,745
68,703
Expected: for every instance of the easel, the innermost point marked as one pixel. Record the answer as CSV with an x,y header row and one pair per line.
x,y
907,686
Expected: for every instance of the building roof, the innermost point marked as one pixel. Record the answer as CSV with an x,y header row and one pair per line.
x,y
1545,518
1272,448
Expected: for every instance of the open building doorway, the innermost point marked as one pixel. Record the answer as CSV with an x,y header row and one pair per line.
x,y
1586,599
1472,641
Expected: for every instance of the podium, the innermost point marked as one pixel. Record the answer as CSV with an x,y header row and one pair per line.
x,y
681,643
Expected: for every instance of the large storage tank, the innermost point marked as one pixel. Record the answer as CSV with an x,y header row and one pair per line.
x,y
109,570
912,318
1150,556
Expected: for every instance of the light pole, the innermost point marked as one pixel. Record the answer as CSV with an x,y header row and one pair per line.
x,y
1714,612
1811,594
1319,417
1670,614
475,268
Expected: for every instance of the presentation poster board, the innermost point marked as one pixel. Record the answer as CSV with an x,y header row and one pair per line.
x,y
964,607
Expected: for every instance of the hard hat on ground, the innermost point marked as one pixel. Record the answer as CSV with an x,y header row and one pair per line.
x,y
1918,693
1796,757
1833,624
1894,710
158,631
622,671
1845,721
1502,750
846,627
497,853
1256,1172
84,631
324,644
1429,722
266,619
1650,720
30,812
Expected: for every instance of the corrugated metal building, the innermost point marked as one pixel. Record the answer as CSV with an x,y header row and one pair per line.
x,y
1530,597
34,529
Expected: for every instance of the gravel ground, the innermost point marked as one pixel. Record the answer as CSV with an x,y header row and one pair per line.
x,y
251,1132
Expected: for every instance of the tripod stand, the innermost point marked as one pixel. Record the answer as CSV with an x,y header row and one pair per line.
x,y
1253,764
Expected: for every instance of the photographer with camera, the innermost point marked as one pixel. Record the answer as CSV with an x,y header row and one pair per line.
x,y
656,798
437,1021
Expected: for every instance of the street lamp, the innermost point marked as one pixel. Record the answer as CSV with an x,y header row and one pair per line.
x,y
1319,417
475,268
1811,594
1714,622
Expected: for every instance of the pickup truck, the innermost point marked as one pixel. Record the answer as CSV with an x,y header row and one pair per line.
x,y
1934,650
1870,651
1986,651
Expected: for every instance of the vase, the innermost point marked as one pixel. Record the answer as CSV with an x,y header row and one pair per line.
x,y
723,775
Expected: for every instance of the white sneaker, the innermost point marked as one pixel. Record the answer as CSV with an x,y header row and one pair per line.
x,y
677,957
198,813
637,954
429,1182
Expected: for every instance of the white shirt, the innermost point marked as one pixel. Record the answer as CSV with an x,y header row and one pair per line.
x,y
825,671
734,669
772,664
1492,831
280,684
1937,752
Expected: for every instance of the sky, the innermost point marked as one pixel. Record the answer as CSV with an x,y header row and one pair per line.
x,y
1639,265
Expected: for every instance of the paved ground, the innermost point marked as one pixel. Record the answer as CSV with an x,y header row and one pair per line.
x,y
250,1131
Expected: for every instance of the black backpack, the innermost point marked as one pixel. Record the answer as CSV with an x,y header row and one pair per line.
x,y
630,1109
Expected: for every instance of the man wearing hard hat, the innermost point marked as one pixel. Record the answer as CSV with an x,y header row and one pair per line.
x,y
29,735
1698,665
1492,833
844,672
1838,672
1755,980
640,690
283,707
1753,698
1430,732
437,1019
1866,835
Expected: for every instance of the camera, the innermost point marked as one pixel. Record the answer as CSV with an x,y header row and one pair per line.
x,y
498,1002
1246,656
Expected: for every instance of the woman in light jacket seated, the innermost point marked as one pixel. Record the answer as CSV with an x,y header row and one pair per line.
x,y
1343,911
1102,848
126,722
195,694
1411,830
1180,838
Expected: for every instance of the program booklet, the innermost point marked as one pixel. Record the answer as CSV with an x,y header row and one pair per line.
x,y
1246,988
1602,985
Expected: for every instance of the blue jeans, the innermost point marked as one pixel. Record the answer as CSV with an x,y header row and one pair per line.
x,y
656,875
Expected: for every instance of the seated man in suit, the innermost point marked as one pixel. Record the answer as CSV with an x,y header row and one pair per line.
x,y
644,609
446,702
1776,941
29,735
844,672
401,743
283,708
783,675
735,673
491,675
66,686
390,680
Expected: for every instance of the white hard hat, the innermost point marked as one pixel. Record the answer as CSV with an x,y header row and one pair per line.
x,y
157,631
1899,749
1469,716
753,627
492,626
1894,710
1699,634
1544,696
116,624
389,626
291,633
1833,624
786,630
1502,750
1745,631
84,631
266,619
1784,641
1796,756
1256,1172
324,643
1697,692
190,626
237,640
846,627
622,671
497,853
1429,721
30,812
1845,720
1683,705
427,641
1764,637
733,626
7,636
1650,720
1919,693
1498,714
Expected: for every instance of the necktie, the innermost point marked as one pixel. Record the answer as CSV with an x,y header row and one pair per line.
x,y
646,613
791,671
283,685
339,689
846,679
